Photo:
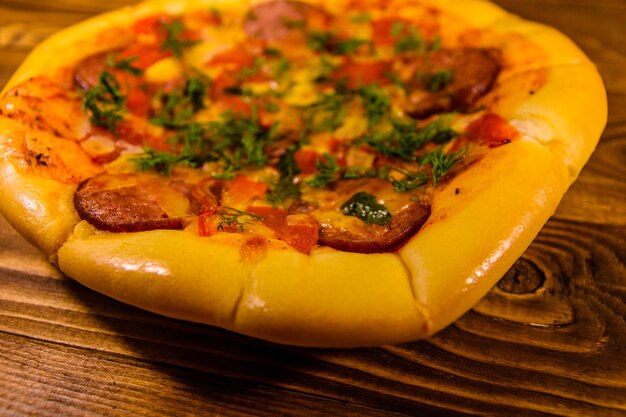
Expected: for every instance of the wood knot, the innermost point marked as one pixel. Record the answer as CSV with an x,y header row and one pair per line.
x,y
524,277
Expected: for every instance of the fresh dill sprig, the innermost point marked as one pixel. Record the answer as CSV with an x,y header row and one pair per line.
x,y
285,187
230,216
440,162
173,41
326,168
105,102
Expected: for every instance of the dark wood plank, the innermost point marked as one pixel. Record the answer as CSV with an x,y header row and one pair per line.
x,y
548,340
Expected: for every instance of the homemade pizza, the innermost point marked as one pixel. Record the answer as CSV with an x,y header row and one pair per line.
x,y
316,173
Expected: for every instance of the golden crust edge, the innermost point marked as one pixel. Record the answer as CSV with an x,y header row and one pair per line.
x,y
40,209
567,115
324,299
481,222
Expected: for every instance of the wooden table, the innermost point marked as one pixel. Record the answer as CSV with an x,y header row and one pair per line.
x,y
549,339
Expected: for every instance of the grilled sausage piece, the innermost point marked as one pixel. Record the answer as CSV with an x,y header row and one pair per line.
x,y
88,70
280,19
131,203
451,80
404,224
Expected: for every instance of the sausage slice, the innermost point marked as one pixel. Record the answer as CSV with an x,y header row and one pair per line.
x,y
471,73
87,71
279,19
131,203
404,224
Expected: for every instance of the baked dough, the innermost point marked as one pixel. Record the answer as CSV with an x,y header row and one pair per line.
x,y
481,221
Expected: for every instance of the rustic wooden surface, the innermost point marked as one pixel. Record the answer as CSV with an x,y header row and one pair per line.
x,y
550,338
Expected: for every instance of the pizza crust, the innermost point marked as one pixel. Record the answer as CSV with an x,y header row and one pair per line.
x,y
40,209
327,298
332,298
566,114
481,222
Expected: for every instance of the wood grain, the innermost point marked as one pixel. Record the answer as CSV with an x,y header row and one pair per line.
x,y
548,340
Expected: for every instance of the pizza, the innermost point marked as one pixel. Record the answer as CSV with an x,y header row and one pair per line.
x,y
316,173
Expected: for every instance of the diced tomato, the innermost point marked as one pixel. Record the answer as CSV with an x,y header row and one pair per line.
x,y
203,195
305,160
360,74
234,58
202,18
298,230
235,104
491,130
127,132
219,84
135,134
243,189
205,224
266,118
333,145
382,28
152,25
138,102
146,55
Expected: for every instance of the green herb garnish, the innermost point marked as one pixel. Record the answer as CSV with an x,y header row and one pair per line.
x,y
435,45
272,52
239,141
326,169
353,173
192,153
161,162
347,46
230,216
406,138
440,80
411,181
330,112
285,187
440,162
125,64
376,102
105,102
256,67
173,41
281,67
180,105
365,207
408,38
320,41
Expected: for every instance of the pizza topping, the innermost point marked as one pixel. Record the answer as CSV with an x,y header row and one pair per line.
x,y
87,72
105,102
376,238
365,206
176,40
283,19
298,230
300,125
492,130
230,217
450,79
131,203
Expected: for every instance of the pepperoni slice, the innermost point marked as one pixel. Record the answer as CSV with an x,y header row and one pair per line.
x,y
472,72
129,203
280,19
403,225
88,70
